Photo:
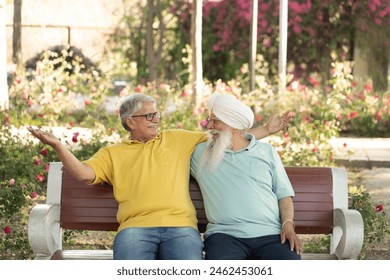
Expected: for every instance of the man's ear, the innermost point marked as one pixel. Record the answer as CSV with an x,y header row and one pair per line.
x,y
130,123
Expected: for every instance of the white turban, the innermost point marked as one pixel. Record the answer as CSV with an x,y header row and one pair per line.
x,y
231,111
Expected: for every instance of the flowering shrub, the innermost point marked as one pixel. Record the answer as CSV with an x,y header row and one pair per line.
x,y
14,196
57,91
23,178
317,31
376,223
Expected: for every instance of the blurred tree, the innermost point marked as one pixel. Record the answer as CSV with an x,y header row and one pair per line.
x,y
17,32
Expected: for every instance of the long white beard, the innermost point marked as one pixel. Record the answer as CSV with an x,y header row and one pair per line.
x,y
215,149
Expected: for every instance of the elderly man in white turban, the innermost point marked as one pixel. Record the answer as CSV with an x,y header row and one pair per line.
x,y
246,191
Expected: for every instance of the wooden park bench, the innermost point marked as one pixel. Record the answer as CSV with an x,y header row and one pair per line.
x,y
321,207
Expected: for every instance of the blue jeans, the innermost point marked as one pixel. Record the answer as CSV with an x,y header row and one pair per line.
x,y
220,246
158,243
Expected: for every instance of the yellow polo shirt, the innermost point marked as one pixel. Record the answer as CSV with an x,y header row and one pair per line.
x,y
150,180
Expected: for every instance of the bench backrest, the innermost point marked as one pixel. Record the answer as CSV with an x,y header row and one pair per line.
x,y
93,207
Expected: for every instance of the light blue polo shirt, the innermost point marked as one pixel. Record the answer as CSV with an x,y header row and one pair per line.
x,y
241,195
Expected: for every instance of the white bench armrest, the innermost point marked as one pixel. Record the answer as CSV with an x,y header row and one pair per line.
x,y
348,233
44,233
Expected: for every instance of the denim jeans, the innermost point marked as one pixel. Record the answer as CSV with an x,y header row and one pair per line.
x,y
158,243
220,246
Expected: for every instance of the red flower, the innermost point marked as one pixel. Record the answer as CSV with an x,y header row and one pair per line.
x,y
7,229
37,161
378,117
74,138
40,178
258,117
345,145
33,195
353,114
44,152
379,208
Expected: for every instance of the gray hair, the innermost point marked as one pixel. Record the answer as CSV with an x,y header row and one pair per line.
x,y
132,104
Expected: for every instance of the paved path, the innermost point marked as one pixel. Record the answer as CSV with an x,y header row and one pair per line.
x,y
362,152
373,156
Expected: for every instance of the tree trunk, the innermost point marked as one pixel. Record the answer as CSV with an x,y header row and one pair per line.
x,y
196,59
152,41
17,32
253,45
3,59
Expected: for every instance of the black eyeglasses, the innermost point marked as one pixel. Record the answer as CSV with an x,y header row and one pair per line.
x,y
150,116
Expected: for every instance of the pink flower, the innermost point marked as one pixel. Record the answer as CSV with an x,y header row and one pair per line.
x,y
379,208
74,138
24,94
244,70
139,89
186,92
44,152
345,145
204,123
11,181
313,81
33,195
7,229
37,161
368,87
40,178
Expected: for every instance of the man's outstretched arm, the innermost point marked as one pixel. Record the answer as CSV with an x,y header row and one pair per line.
x,y
77,169
275,123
